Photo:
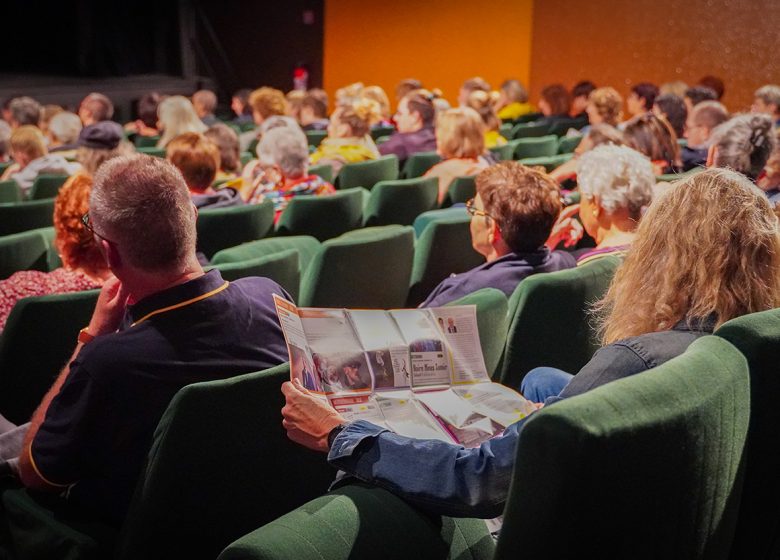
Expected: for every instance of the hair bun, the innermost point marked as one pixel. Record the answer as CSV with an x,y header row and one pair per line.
x,y
761,128
367,109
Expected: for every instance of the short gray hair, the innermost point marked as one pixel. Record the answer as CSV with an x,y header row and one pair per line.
x,y
5,138
276,121
25,110
744,143
619,176
287,148
65,127
769,94
142,203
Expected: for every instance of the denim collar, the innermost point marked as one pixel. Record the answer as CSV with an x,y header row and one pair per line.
x,y
697,324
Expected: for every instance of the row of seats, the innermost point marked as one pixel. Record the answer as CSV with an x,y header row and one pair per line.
x,y
45,186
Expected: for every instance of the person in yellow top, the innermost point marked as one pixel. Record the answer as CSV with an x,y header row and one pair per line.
x,y
348,139
513,101
483,103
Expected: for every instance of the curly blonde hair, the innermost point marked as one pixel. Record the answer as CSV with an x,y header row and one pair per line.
x,y
608,104
359,115
709,247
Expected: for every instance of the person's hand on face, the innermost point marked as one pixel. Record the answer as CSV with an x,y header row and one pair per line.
x,y
567,228
110,308
308,419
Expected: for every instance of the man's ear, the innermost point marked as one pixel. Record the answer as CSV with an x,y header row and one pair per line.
x,y
113,258
712,154
494,233
195,212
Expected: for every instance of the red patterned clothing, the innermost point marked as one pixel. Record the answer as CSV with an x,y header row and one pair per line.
x,y
28,283
281,196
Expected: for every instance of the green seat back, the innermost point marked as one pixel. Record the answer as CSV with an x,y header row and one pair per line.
x,y
503,153
461,189
220,228
366,174
671,177
145,141
505,130
757,336
252,146
549,320
245,157
542,146
529,130
37,341
422,221
549,162
368,268
152,151
527,118
380,131
10,191
220,466
315,137
442,249
324,216
305,245
644,467
401,201
53,258
16,217
491,321
562,126
28,250
567,144
5,165
417,164
47,186
282,267
361,521
324,170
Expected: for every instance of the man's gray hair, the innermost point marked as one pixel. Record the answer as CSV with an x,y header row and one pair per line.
x,y
769,94
286,147
142,204
744,143
206,98
65,127
276,121
619,176
5,138
25,110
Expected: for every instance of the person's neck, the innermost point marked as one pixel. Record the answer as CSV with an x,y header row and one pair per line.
x,y
147,284
617,234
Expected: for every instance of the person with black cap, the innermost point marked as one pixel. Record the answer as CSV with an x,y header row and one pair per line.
x,y
100,142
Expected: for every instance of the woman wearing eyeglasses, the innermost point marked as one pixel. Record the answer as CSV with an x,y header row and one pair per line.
x,y
511,217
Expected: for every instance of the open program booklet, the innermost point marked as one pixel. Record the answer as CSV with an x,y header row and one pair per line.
x,y
417,372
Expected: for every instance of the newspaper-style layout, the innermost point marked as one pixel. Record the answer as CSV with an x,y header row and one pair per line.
x,y
417,372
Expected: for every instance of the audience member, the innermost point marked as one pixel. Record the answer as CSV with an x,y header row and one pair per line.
x,y
83,266
5,141
226,140
94,108
674,109
650,315
597,135
414,121
580,94
197,158
701,120
241,107
265,102
766,100
605,105
283,158
47,113
98,143
23,111
348,140
314,110
742,143
349,94
31,158
378,94
715,84
677,87
460,141
294,102
109,397
146,109
513,101
483,103
653,136
641,99
176,115
511,217
404,87
555,104
204,102
63,132
697,94
469,86
769,182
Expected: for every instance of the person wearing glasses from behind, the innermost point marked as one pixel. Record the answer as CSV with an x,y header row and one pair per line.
x,y
511,218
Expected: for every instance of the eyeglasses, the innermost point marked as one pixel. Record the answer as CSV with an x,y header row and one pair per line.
x,y
477,212
87,224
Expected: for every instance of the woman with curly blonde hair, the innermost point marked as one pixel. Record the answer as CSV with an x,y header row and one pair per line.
x,y
348,138
706,251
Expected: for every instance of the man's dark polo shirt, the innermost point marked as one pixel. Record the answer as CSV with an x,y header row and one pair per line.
x,y
98,429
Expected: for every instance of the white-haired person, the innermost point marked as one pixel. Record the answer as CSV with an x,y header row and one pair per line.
x,y
63,132
283,160
176,115
616,183
743,143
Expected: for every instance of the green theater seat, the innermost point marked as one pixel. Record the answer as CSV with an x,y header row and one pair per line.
x,y
323,216
220,228
401,201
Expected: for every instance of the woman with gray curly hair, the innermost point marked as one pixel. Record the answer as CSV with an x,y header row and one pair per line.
x,y
616,184
743,143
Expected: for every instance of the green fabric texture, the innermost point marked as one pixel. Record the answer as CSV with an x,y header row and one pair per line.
x,y
315,137
757,336
323,216
443,248
505,152
491,322
152,151
549,163
549,322
53,258
220,228
324,171
368,268
529,130
360,521
506,130
567,144
10,191
16,217
23,251
366,174
542,146
220,466
401,201
37,341
422,221
417,164
460,190
145,141
649,466
282,267
380,131
305,245
47,186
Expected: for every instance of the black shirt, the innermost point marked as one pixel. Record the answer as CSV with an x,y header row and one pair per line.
x,y
98,429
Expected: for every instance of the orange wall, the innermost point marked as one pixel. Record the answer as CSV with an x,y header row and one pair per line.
x,y
440,42
622,42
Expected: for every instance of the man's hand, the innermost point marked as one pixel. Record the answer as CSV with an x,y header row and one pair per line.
x,y
566,228
307,419
110,308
